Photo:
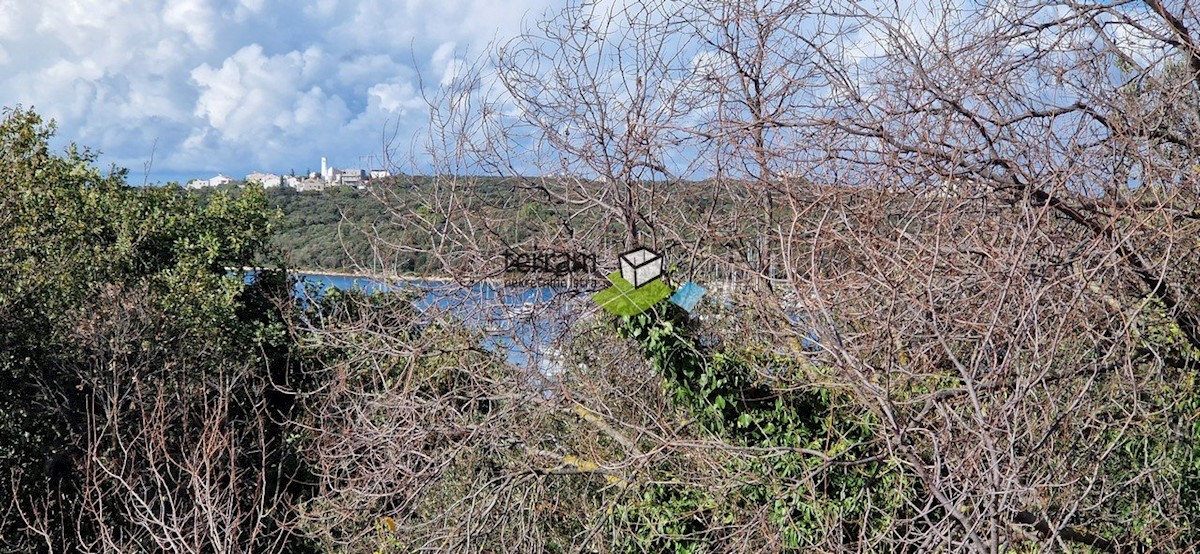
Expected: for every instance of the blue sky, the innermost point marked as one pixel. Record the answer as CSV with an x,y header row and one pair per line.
x,y
234,86
240,85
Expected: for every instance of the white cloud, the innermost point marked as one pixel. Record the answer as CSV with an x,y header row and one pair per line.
x,y
396,98
245,93
444,53
238,85
193,18
248,8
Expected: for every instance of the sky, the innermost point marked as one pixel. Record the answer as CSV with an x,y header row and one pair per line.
x,y
191,88
234,86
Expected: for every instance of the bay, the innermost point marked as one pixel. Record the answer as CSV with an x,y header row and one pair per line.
x,y
522,323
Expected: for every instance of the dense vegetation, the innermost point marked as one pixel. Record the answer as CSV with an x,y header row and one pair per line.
x,y
323,230
137,373
945,313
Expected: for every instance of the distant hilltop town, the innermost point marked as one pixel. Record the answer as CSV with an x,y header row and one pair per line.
x,y
328,177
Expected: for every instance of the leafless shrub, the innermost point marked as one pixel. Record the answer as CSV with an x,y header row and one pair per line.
x,y
172,455
978,222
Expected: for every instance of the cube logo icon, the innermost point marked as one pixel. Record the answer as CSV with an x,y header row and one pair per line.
x,y
641,266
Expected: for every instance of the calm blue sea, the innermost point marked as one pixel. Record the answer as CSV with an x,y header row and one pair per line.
x,y
338,282
520,321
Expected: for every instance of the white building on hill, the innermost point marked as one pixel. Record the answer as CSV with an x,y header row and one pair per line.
x,y
220,179
268,180
351,177
311,184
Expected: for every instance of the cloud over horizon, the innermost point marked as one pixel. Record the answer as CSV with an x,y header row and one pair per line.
x,y
239,85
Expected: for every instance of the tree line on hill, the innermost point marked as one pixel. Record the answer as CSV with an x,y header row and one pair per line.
x,y
330,230
345,229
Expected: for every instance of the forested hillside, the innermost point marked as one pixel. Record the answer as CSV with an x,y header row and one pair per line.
x,y
325,230
386,228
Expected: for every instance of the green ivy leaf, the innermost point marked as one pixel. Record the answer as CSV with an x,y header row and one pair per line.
x,y
743,420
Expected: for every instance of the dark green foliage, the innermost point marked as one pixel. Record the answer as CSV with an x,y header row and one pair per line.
x,y
117,314
336,230
330,230
825,477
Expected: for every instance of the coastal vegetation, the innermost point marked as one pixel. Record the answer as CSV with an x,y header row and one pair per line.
x,y
139,405
329,230
365,230
954,305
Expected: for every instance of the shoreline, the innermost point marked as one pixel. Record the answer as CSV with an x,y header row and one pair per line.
x,y
372,276
438,280
360,275
337,273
